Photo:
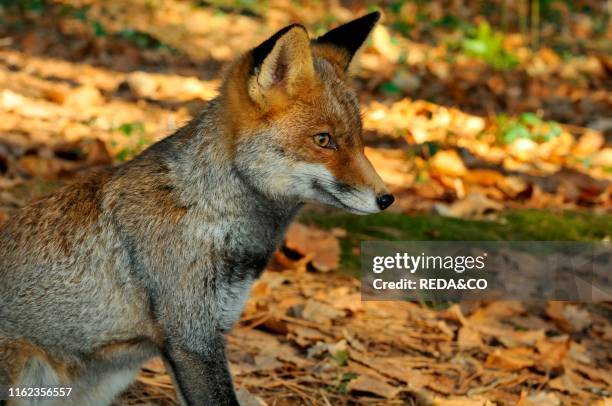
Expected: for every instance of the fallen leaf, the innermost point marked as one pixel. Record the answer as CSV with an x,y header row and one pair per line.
x,y
305,336
552,352
266,363
460,401
474,204
78,97
588,143
448,163
541,399
511,359
563,383
367,384
393,367
469,338
568,317
320,245
246,398
320,312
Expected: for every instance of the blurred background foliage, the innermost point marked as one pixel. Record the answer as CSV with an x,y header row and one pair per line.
x,y
472,108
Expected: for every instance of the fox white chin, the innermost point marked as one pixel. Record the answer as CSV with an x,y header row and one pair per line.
x,y
355,201
315,183
344,197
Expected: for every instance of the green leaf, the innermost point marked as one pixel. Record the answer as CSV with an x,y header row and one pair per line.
x,y
341,357
348,376
488,45
390,88
342,388
515,132
475,46
129,128
99,30
123,155
530,119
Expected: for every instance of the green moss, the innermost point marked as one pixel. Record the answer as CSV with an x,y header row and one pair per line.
x,y
521,225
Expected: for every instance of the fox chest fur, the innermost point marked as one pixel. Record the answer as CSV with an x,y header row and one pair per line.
x,y
210,250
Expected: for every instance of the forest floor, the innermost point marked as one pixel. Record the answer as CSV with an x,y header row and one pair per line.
x,y
480,135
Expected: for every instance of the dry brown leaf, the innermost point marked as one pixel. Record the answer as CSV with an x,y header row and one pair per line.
x,y
320,245
513,185
368,384
484,177
579,353
442,384
474,204
305,336
497,311
565,384
469,338
511,359
348,301
320,312
603,158
79,97
392,166
588,143
540,399
519,338
246,398
461,401
394,367
552,351
353,341
448,163
382,43
568,317
266,363
595,374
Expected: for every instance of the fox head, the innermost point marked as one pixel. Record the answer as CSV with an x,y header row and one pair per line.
x,y
295,123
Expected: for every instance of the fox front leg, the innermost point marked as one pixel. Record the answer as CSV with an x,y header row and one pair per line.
x,y
201,376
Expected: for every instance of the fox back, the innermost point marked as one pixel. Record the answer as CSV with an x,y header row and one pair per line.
x,y
157,256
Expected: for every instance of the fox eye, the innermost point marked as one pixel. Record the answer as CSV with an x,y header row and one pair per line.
x,y
324,140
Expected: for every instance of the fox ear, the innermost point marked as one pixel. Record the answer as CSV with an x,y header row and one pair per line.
x,y
281,64
347,39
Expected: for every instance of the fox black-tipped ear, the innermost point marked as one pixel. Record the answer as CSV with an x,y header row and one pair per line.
x,y
349,37
282,63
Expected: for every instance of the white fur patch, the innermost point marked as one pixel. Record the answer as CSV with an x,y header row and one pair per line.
x,y
232,301
39,374
360,201
105,390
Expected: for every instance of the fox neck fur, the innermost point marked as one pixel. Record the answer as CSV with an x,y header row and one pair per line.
x,y
205,178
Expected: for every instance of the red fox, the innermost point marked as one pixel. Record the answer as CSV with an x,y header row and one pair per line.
x,y
156,257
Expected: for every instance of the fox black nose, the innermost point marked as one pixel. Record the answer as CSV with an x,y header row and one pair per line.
x,y
385,200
